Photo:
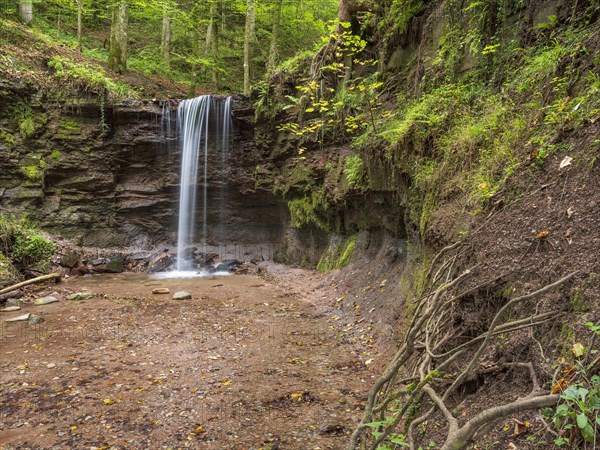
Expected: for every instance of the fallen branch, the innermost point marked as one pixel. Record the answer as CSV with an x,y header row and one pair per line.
x,y
28,282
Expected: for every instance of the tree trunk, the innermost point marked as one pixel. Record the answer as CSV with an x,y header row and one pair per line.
x,y
165,42
275,35
212,45
79,22
248,35
117,54
26,11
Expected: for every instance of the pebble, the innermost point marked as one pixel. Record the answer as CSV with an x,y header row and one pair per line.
x,y
35,319
10,309
50,365
160,291
182,295
45,300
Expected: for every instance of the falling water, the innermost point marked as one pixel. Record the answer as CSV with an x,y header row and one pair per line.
x,y
193,119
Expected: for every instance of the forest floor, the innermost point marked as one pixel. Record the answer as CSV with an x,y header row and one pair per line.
x,y
249,362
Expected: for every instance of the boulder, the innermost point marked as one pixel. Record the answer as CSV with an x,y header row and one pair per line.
x,y
162,262
113,264
228,265
70,259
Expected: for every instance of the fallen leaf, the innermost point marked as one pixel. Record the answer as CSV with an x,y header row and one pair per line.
x,y
296,397
567,160
570,212
226,383
108,401
578,349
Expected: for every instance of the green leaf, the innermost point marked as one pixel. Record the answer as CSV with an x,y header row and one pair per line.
x,y
588,432
309,110
561,441
582,420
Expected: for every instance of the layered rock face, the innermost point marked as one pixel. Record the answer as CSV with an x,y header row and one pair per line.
x,y
106,176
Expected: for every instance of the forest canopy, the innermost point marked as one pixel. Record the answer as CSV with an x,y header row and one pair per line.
x,y
223,45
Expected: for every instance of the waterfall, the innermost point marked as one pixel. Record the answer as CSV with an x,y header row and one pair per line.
x,y
193,119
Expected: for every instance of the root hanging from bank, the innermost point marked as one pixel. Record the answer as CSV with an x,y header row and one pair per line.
x,y
423,376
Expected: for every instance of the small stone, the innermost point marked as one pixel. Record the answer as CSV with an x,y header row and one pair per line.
x,y
10,309
35,319
15,302
160,291
79,296
182,295
50,365
45,300
19,318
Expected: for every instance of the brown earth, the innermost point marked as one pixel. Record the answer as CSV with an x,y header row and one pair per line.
x,y
248,363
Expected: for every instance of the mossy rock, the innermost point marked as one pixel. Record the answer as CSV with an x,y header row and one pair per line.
x,y
337,254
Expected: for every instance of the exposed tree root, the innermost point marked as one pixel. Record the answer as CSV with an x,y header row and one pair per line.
x,y
426,360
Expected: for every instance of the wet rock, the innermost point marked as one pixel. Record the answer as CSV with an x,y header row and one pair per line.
x,y
79,270
160,291
70,259
228,265
10,309
182,295
205,259
161,262
79,296
45,300
114,264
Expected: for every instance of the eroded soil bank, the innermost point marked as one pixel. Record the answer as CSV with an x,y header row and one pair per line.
x,y
249,362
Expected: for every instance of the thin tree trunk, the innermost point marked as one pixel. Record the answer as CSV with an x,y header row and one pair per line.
x,y
211,47
26,11
165,42
117,54
28,282
275,35
248,35
79,22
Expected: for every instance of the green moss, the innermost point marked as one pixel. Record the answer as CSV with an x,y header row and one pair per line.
x,y
68,128
27,127
337,256
55,155
310,209
34,172
7,140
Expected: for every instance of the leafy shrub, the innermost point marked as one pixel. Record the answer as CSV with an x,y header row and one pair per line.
x,y
20,243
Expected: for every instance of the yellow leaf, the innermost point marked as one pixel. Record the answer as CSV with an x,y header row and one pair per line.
x,y
108,401
73,427
296,397
226,383
578,349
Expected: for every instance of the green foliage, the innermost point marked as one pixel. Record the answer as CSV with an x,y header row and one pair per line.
x,y
579,409
310,209
337,256
355,172
87,77
22,244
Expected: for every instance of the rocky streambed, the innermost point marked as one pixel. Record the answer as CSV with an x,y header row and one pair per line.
x,y
246,362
